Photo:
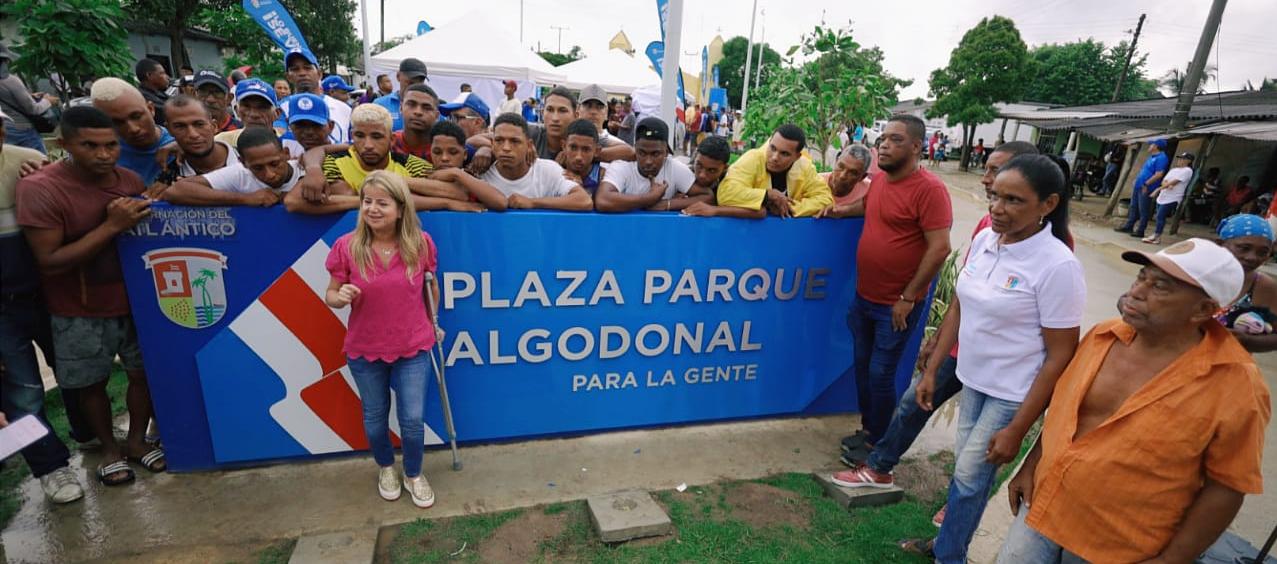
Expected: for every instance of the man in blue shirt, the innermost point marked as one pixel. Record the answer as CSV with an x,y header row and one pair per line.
x,y
411,71
145,148
1149,178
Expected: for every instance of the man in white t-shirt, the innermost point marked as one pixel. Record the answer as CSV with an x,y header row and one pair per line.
x,y
510,105
529,182
303,72
1171,192
193,127
654,181
264,174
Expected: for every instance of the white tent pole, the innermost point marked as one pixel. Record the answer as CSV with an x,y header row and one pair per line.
x,y
749,55
363,18
669,67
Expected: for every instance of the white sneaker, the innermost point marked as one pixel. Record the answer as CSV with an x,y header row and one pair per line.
x,y
60,486
422,495
388,483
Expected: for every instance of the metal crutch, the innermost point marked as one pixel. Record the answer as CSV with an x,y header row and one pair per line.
x,y
439,364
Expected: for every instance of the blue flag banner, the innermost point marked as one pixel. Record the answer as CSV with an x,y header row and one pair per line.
x,y
704,72
663,13
656,53
278,24
245,359
715,76
423,27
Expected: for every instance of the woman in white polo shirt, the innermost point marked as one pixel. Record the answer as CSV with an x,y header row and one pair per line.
x,y
1017,312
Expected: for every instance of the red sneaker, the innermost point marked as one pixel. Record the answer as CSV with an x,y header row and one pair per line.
x,y
938,518
863,477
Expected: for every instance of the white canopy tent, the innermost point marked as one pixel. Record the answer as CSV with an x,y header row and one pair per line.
x,y
471,50
615,71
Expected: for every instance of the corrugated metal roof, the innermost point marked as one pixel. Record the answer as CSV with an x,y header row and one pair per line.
x,y
1236,105
1253,130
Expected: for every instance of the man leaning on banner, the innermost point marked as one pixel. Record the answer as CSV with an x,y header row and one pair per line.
x,y
777,177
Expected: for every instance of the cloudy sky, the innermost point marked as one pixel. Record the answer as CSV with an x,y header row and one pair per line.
x,y
915,36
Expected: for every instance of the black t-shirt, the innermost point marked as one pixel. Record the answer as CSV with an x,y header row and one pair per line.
x,y
779,180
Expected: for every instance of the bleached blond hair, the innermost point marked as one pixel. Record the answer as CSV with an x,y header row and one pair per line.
x,y
372,114
109,88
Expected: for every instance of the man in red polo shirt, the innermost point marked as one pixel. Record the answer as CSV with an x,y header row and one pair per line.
x,y
905,241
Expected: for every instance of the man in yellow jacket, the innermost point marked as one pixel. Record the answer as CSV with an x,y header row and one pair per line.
x,y
776,178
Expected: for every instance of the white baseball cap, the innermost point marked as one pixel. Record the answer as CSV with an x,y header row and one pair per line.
x,y
1198,262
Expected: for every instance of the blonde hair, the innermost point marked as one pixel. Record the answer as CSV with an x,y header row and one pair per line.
x,y
372,114
407,228
109,88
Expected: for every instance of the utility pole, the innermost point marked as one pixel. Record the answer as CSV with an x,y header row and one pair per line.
x,y
762,41
383,21
749,55
560,28
520,22
1127,65
1188,92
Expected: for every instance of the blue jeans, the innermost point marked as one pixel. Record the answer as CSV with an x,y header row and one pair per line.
x,y
408,378
1027,546
980,417
22,319
1141,211
909,419
877,350
1164,211
29,138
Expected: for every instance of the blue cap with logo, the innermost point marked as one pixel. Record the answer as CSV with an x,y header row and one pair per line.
x,y
335,82
300,51
471,102
307,107
254,87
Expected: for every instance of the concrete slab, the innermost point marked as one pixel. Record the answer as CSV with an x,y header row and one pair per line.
x,y
345,547
632,514
154,515
852,498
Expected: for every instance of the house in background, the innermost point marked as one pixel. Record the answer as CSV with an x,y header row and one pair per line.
x,y
203,49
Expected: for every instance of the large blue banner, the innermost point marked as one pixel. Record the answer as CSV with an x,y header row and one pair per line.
x,y
277,22
557,323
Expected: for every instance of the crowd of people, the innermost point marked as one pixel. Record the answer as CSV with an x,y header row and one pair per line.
x,y
1164,408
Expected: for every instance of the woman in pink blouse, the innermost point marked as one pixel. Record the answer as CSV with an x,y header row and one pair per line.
x,y
378,270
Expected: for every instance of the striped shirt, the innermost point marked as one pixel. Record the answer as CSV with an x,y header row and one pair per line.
x,y
345,165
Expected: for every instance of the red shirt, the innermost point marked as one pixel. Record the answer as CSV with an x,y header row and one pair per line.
x,y
398,145
55,198
892,243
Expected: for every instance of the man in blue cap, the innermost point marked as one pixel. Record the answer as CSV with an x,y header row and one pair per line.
x,y
471,113
337,88
309,124
411,71
303,72
1149,178
255,104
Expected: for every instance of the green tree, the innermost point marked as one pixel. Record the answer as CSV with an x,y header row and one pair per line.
x,y
560,59
1173,81
391,43
731,67
989,65
74,40
1085,72
325,24
841,84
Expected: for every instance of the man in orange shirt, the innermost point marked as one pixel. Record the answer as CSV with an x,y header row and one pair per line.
x,y
1156,429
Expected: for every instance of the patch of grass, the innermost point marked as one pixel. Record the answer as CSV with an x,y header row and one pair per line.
x,y
706,531
436,541
15,470
277,553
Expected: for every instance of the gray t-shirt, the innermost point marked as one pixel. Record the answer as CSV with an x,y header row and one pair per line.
x,y
17,103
